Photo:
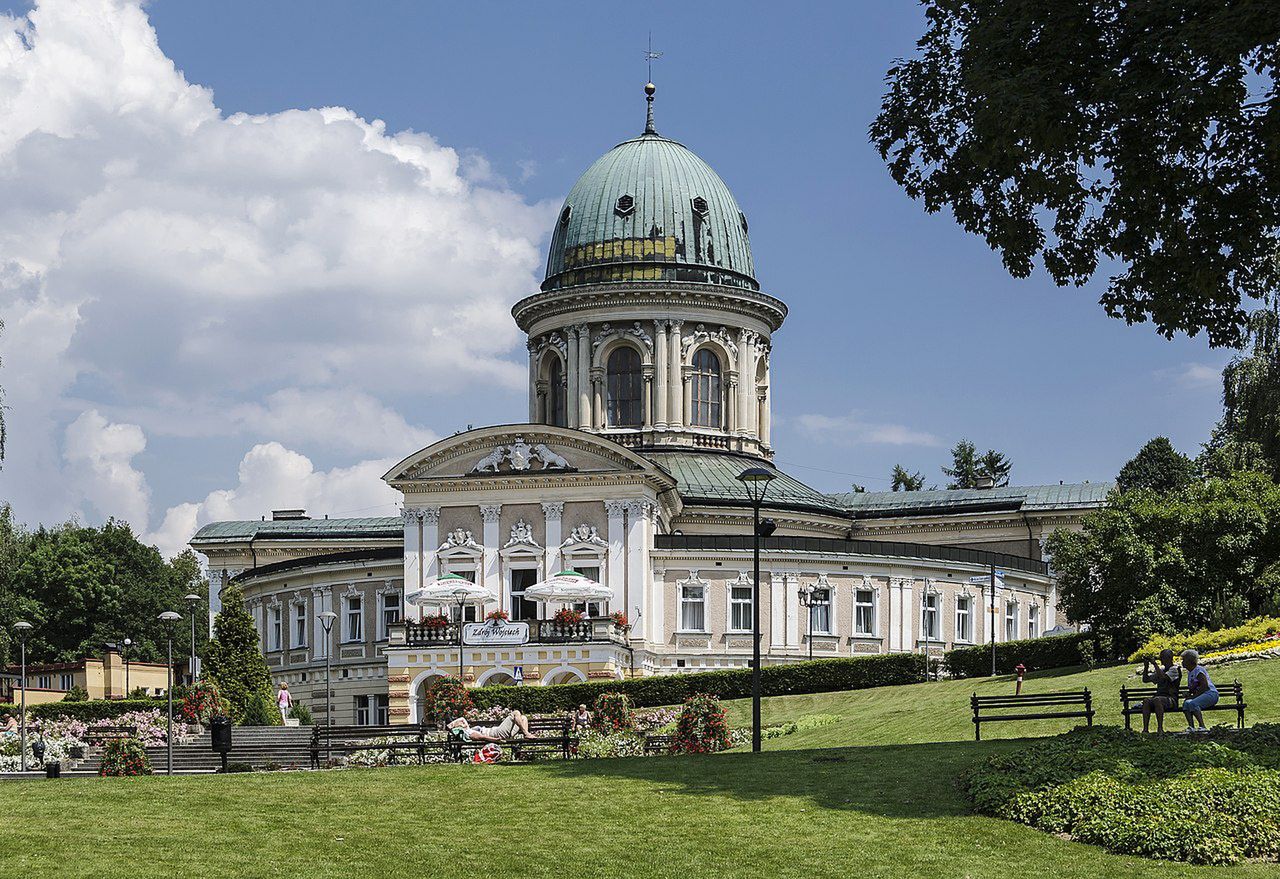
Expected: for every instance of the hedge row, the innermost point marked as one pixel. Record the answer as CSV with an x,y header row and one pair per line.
x,y
1035,653
95,709
818,676
6,708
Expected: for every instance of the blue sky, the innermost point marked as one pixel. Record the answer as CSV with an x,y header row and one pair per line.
x,y
905,334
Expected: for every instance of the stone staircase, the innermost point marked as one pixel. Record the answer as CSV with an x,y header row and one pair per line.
x,y
275,747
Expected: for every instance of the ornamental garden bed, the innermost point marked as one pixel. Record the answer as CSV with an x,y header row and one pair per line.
x,y
1211,799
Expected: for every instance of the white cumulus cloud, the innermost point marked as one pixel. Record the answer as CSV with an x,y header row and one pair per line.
x,y
854,430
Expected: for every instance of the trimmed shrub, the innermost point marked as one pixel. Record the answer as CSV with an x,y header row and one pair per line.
x,y
1035,653
76,694
95,709
1256,630
702,727
817,676
11,710
259,710
201,702
124,757
446,699
1114,788
301,713
613,713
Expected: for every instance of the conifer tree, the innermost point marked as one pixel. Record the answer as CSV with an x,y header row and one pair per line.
x,y
235,663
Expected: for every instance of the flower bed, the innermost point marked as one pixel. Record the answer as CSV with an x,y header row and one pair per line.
x,y
1207,800
152,730
1256,631
57,749
1258,650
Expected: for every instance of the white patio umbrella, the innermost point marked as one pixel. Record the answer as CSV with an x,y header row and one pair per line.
x,y
569,587
449,589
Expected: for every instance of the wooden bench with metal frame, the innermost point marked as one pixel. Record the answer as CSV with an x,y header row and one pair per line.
x,y
347,739
102,734
1230,698
1078,703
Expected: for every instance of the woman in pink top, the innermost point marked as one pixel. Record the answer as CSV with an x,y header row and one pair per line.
x,y
284,701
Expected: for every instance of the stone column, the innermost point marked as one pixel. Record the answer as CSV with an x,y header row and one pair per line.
x,y
215,595
675,378
638,523
790,585
491,578
533,381
430,543
732,419
686,393
646,419
571,377
661,374
777,610
554,512
746,380
762,395
412,552
584,372
655,627
597,397
617,561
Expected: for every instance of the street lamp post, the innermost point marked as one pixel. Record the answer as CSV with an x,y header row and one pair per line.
x,y
192,601
461,597
23,628
806,601
127,644
326,622
756,481
168,618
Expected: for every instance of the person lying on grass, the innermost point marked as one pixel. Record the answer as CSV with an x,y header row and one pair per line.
x,y
503,732
1167,677
8,724
1201,693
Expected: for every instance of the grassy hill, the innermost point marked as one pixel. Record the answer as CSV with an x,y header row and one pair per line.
x,y
861,797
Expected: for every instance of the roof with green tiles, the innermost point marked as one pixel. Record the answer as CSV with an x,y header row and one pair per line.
x,y
375,528
712,477
650,209
1024,498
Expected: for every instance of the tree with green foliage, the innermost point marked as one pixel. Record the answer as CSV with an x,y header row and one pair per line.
x,y
969,469
904,480
1248,436
1152,563
995,466
235,664
1102,131
2,408
1158,466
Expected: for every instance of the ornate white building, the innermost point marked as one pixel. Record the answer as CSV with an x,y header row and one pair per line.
x,y
649,392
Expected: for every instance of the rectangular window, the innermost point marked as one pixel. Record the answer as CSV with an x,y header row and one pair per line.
x,y
381,716
821,611
1033,621
390,613
964,618
470,611
864,612
693,608
930,618
362,710
591,608
66,681
1011,621
523,608
44,682
274,629
740,608
300,624
354,621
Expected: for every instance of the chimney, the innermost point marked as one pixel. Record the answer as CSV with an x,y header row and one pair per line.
x,y
288,515
984,483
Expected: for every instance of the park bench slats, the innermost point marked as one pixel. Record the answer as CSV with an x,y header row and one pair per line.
x,y
346,740
983,706
103,734
1230,698
658,744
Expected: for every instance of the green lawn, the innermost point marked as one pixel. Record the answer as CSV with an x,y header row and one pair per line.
x,y
885,808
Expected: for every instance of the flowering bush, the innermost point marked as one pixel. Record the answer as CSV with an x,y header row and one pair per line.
x,y
702,727
201,702
612,713
568,616
657,719
1254,631
150,725
620,619
1256,650
446,699
594,743
497,615
378,754
123,757
490,714
56,749
436,621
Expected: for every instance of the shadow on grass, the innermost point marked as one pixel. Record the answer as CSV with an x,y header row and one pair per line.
x,y
892,781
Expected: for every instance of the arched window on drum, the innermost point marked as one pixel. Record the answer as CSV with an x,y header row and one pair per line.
x,y
556,394
707,390
625,386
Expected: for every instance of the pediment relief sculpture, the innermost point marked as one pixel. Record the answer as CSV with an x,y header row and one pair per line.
x,y
521,456
460,538
521,535
584,533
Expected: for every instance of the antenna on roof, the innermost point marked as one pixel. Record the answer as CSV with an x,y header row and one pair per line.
x,y
650,56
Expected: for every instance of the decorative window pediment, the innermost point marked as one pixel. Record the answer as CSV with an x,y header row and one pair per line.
x,y
584,538
522,541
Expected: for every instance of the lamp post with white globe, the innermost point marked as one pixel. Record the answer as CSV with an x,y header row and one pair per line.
x,y
326,622
756,481
168,618
23,628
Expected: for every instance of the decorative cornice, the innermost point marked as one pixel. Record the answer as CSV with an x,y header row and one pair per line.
x,y
568,300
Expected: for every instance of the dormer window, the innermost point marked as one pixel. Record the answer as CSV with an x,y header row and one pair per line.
x,y
626,206
700,206
743,218
565,214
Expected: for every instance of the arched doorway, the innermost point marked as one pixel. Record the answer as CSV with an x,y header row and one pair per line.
x,y
498,679
420,694
564,676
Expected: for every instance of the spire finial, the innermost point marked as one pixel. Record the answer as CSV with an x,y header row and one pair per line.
x,y
649,88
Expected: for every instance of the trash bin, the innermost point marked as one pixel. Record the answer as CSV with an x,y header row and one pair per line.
x,y
53,769
220,737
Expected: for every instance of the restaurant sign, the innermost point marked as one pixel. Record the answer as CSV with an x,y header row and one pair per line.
x,y
495,633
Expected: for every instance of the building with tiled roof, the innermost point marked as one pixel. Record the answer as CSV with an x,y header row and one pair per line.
x,y
649,357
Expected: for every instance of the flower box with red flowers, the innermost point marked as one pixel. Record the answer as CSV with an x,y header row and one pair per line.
x,y
497,615
435,622
568,617
620,619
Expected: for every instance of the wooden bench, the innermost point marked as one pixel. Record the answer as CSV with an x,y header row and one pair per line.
x,y
1230,698
346,740
103,734
554,735
1068,703
658,744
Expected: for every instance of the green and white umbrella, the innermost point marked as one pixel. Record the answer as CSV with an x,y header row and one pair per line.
x,y
569,587
449,589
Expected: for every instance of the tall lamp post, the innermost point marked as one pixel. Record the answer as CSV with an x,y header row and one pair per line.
x,y
128,642
460,596
23,629
756,481
168,618
326,623
806,600
192,601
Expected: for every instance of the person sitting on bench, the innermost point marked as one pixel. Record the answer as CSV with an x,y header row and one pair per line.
x,y
1201,693
503,732
9,724
1167,678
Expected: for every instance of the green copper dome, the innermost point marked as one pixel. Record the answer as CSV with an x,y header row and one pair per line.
x,y
650,210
